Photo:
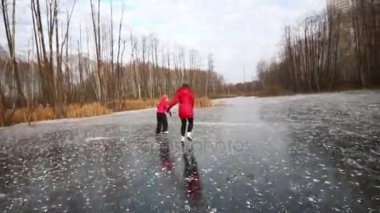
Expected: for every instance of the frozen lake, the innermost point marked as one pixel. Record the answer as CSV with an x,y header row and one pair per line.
x,y
303,153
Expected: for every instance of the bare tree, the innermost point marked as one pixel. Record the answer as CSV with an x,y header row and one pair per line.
x,y
98,48
45,68
209,71
9,26
119,59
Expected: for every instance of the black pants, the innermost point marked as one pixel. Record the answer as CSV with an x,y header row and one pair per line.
x,y
183,126
162,123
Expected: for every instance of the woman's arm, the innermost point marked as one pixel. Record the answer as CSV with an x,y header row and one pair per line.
x,y
174,101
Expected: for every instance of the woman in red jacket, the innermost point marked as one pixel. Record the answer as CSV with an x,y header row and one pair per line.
x,y
185,97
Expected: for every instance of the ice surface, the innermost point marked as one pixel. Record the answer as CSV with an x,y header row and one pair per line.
x,y
303,153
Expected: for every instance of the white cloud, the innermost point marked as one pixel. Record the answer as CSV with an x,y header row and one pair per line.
x,y
237,31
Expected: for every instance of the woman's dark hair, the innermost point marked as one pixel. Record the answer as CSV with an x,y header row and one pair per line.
x,y
185,84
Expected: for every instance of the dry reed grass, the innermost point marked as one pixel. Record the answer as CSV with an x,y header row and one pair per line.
x,y
202,102
40,113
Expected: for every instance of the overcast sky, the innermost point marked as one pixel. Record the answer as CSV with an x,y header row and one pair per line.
x,y
238,32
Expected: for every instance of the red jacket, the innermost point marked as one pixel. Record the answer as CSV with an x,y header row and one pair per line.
x,y
185,97
193,185
162,106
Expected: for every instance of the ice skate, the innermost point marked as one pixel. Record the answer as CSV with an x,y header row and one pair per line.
x,y
188,136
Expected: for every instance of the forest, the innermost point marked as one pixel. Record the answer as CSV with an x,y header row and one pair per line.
x,y
329,51
102,68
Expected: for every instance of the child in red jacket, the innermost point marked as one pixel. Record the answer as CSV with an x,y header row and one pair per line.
x,y
185,97
162,122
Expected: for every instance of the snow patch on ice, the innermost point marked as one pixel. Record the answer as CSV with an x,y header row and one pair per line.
x,y
98,139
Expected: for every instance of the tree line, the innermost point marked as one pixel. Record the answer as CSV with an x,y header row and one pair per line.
x,y
328,50
60,69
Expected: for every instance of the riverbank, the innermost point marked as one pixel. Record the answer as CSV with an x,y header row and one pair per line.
x,y
43,113
275,90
